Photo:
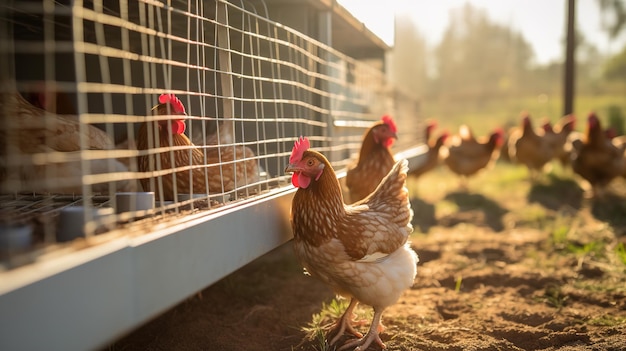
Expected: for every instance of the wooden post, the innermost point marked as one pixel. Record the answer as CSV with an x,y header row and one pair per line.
x,y
570,60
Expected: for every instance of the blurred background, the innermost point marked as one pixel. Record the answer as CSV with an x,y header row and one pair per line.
x,y
487,59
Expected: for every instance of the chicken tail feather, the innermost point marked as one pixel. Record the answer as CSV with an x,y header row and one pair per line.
x,y
392,193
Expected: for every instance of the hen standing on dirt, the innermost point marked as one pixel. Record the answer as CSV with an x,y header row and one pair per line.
x,y
530,148
431,159
557,137
361,250
465,155
596,158
375,159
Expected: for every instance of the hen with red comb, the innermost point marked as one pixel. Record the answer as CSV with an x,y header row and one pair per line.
x,y
375,159
596,158
361,251
194,170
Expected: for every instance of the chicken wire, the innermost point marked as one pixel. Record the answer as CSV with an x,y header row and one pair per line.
x,y
105,63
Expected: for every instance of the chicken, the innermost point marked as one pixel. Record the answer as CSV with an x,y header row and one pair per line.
x,y
596,158
428,131
557,137
49,98
218,169
360,250
30,133
620,143
375,159
465,155
431,157
530,148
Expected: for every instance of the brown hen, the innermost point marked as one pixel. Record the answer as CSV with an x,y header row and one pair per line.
x,y
183,167
432,158
375,159
27,130
465,155
596,158
360,250
557,137
530,148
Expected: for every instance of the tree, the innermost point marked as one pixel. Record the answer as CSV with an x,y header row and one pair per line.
x,y
615,67
478,58
410,54
615,16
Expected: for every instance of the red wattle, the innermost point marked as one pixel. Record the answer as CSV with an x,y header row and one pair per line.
x,y
178,127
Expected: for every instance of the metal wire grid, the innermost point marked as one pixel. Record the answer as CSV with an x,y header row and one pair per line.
x,y
227,62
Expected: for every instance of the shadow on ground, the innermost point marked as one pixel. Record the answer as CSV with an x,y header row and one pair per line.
x,y
476,209
611,208
558,193
423,215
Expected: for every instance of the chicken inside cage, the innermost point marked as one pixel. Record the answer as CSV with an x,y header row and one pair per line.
x,y
87,119
128,115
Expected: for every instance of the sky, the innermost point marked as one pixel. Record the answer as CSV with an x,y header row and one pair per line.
x,y
541,22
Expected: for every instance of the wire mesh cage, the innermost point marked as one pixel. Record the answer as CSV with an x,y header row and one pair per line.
x,y
117,115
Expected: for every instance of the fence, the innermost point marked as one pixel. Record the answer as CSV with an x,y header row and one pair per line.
x,y
101,213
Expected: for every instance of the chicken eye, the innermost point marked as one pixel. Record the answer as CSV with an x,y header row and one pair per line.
x,y
310,162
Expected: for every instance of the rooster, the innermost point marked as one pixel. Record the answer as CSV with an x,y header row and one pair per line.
x,y
431,158
530,148
596,158
360,250
218,169
27,130
465,155
375,159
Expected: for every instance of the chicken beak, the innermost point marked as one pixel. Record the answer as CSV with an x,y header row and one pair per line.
x,y
292,168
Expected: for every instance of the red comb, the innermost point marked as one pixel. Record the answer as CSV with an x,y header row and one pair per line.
x,y
177,105
388,120
299,147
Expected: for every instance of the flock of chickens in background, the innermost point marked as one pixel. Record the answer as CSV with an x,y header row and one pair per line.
x,y
360,249
597,155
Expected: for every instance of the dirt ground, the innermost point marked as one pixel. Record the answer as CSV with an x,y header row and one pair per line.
x,y
505,265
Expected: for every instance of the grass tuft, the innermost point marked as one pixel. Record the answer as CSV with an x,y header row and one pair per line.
x,y
607,320
620,251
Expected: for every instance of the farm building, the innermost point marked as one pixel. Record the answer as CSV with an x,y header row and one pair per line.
x,y
97,212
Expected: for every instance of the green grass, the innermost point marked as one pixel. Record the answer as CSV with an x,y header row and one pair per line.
x,y
620,252
323,321
554,296
607,320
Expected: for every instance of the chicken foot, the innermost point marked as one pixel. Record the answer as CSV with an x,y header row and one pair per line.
x,y
372,335
345,323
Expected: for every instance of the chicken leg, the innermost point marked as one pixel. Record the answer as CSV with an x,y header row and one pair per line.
x,y
345,323
372,335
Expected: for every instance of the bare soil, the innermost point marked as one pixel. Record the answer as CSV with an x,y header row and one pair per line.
x,y
505,265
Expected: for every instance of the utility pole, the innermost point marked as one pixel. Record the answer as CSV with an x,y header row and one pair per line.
x,y
570,60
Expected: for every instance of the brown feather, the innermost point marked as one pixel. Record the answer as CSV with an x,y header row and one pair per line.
x,y
319,213
373,164
224,168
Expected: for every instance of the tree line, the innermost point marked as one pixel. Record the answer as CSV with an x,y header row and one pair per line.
x,y
478,58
